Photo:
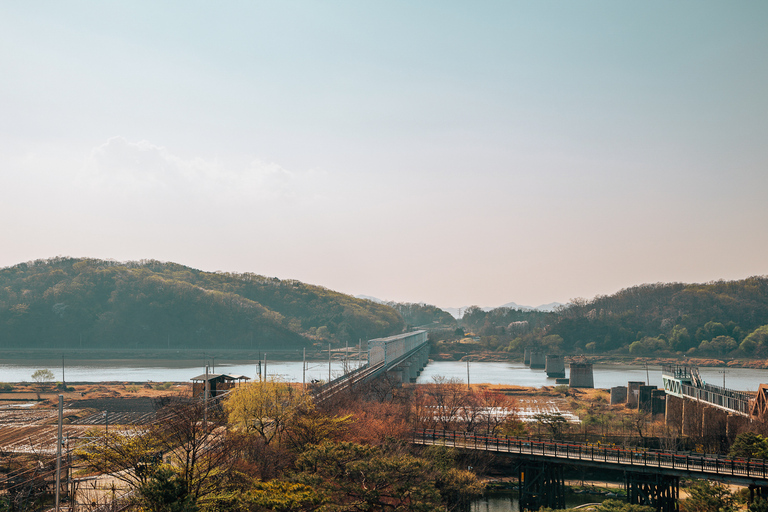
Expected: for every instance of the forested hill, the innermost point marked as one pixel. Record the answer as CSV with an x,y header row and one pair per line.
x,y
706,319
716,319
72,303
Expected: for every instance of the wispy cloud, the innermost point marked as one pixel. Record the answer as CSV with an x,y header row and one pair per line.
x,y
126,167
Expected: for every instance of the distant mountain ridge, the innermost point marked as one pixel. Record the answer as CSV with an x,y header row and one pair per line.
x,y
458,312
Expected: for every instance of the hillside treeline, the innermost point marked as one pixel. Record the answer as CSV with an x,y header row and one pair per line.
x,y
716,319
72,303
420,315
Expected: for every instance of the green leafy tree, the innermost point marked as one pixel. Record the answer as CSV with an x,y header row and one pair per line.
x,y
280,496
749,445
679,339
164,491
759,505
353,477
555,423
756,343
706,496
266,408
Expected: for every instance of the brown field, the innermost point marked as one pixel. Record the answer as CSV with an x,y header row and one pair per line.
x,y
28,417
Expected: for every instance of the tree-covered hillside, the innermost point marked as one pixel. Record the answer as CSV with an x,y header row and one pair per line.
x,y
711,319
70,303
717,319
424,316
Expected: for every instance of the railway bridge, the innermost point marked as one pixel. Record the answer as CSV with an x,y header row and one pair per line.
x,y
696,408
650,477
402,356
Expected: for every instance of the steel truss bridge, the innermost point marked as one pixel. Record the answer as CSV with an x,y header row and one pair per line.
x,y
651,477
403,356
685,382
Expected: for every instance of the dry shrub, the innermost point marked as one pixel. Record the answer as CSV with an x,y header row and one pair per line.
x,y
374,422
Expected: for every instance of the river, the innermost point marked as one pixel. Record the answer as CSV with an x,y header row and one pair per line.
x,y
515,374
508,502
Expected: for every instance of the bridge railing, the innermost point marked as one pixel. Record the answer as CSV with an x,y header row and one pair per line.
x,y
692,463
723,397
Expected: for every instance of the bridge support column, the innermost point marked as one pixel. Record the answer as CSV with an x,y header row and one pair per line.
x,y
673,415
413,369
654,490
691,419
397,375
755,491
713,428
735,424
541,485
424,354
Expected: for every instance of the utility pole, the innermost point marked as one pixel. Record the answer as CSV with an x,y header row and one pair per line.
x,y
468,375
329,362
265,367
63,380
205,396
58,451
304,369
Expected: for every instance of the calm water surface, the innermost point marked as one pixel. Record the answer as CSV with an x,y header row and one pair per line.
x,y
508,502
605,376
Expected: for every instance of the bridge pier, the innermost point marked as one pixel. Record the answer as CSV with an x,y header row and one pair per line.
x,y
399,374
414,369
673,415
659,491
541,485
420,360
735,424
756,491
692,416
714,427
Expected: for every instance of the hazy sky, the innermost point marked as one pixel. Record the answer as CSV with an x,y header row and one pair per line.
x,y
453,153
